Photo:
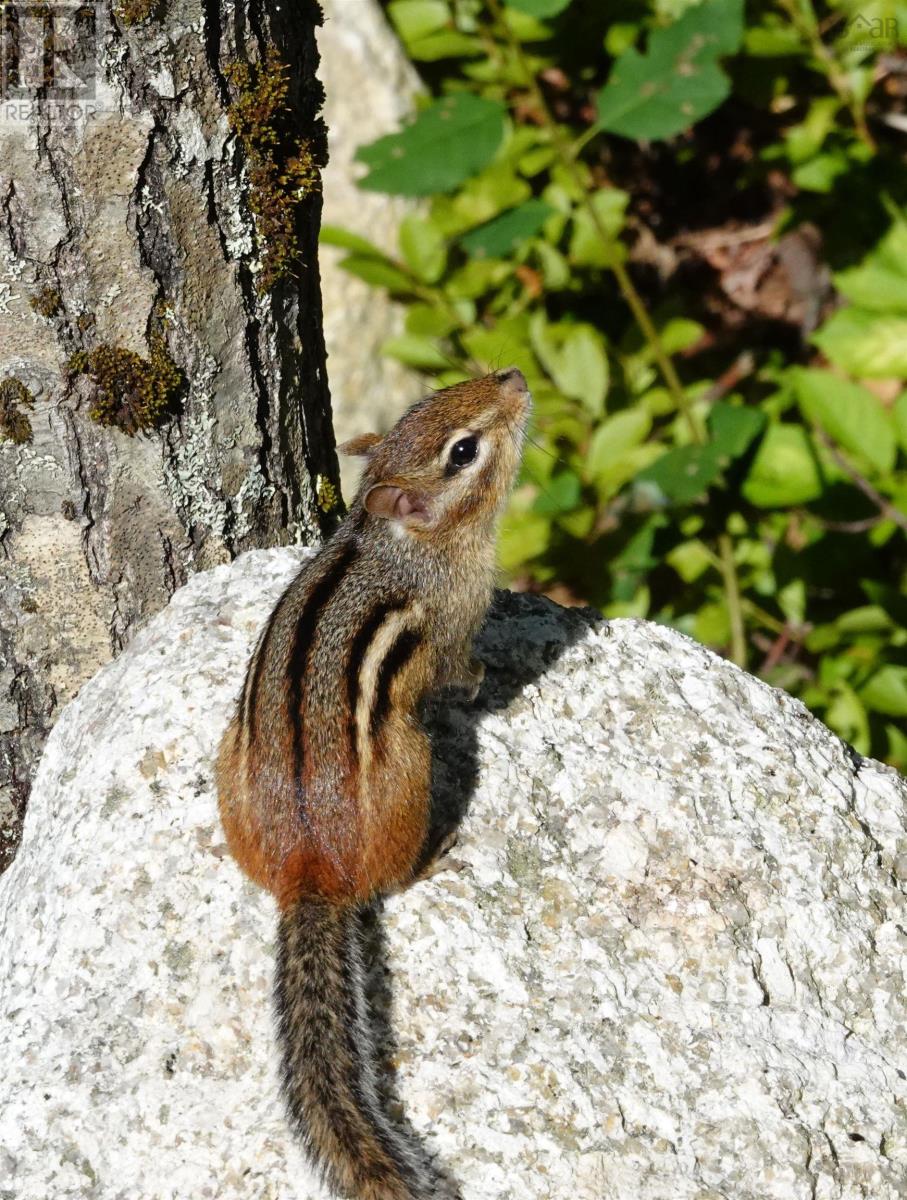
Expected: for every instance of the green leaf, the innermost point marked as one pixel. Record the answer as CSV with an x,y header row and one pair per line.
x,y
718,23
423,248
562,494
579,521
867,344
503,234
478,276
690,560
678,80
497,188
791,599
428,321
555,267
733,427
447,43
819,173
584,368
772,40
805,140
416,352
847,717
539,8
879,283
637,556
614,437
523,536
333,235
868,618
785,470
575,358
620,36
378,272
684,473
612,476
849,414
502,344
712,625
886,691
448,142
587,247
680,333
414,19
426,29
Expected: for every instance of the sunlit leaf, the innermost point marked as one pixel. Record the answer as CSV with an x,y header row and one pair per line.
x,y
561,494
886,691
733,427
422,246
333,235
450,140
523,536
870,345
614,437
378,272
850,414
415,351
785,470
677,81
427,30
879,283
539,8
575,358
684,473
593,241
503,234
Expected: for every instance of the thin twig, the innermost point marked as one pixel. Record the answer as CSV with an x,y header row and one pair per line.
x,y
882,503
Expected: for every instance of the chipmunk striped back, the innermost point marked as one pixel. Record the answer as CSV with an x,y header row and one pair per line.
x,y
324,774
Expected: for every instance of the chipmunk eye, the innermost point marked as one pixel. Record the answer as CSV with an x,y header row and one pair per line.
x,y
463,452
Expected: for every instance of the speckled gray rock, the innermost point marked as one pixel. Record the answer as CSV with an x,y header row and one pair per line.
x,y
670,967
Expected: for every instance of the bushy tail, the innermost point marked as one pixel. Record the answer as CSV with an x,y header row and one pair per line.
x,y
329,1059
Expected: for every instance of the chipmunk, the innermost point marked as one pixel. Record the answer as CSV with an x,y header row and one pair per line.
x,y
324,774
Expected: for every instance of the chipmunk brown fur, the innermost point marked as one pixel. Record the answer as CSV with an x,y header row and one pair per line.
x,y
324,774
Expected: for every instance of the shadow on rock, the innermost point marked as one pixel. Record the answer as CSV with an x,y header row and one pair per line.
x,y
523,638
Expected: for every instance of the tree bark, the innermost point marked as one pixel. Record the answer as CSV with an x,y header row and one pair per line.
x,y
157,247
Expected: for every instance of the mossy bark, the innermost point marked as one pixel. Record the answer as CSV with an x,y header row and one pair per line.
x,y
133,211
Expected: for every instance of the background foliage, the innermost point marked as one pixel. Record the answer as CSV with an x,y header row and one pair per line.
x,y
687,223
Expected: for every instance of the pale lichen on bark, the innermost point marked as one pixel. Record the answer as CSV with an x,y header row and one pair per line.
x,y
133,210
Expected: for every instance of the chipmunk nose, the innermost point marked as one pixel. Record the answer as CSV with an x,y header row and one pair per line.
x,y
512,381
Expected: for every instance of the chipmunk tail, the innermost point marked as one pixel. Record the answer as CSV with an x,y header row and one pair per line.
x,y
328,1059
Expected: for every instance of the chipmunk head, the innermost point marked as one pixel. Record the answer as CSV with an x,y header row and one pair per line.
x,y
450,460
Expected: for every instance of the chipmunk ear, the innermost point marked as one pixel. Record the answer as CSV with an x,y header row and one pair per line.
x,y
393,503
364,444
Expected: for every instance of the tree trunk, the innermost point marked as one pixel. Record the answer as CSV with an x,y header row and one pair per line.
x,y
163,399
